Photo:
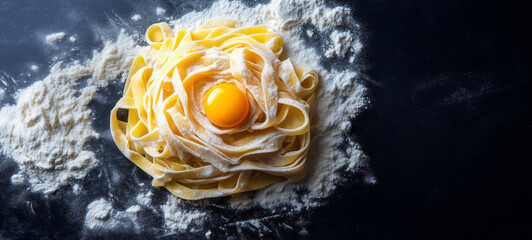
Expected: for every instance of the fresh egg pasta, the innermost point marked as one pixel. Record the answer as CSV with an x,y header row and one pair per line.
x,y
216,111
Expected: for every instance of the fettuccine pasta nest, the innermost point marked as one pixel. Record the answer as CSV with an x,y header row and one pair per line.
x,y
168,135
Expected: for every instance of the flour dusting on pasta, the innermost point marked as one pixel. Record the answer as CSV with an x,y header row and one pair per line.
x,y
169,133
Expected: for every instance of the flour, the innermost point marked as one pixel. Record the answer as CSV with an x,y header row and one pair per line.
x,y
310,33
133,209
17,179
34,67
76,189
73,39
98,211
46,130
136,18
101,216
179,219
160,11
2,94
113,60
144,199
54,37
342,42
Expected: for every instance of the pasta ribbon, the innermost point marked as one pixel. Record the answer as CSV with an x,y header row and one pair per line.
x,y
169,136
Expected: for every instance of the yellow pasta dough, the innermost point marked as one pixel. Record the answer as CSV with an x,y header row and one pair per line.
x,y
168,134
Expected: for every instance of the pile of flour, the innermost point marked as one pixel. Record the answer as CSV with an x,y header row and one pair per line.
x,y
46,130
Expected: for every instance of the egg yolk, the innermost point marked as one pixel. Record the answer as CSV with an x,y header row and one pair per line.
x,y
226,105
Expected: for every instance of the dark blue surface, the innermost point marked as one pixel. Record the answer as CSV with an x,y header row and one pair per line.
x,y
448,135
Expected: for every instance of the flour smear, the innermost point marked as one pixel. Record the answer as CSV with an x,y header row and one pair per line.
x,y
52,37
47,128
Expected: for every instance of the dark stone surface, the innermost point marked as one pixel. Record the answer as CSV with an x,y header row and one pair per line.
x,y
448,134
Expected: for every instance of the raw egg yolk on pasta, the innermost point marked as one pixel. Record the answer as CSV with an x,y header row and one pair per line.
x,y
226,105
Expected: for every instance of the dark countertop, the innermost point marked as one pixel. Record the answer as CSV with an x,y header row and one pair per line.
x,y
448,133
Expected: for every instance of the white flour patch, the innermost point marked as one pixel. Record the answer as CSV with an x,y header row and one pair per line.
x,y
160,11
133,209
144,199
17,179
76,189
54,37
46,130
177,218
342,42
2,94
73,39
98,213
310,33
101,216
136,18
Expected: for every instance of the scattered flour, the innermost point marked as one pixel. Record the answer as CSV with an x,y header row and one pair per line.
x,y
73,39
98,212
178,219
341,44
160,11
17,179
144,199
46,130
34,67
76,189
54,37
310,33
101,216
133,209
136,18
